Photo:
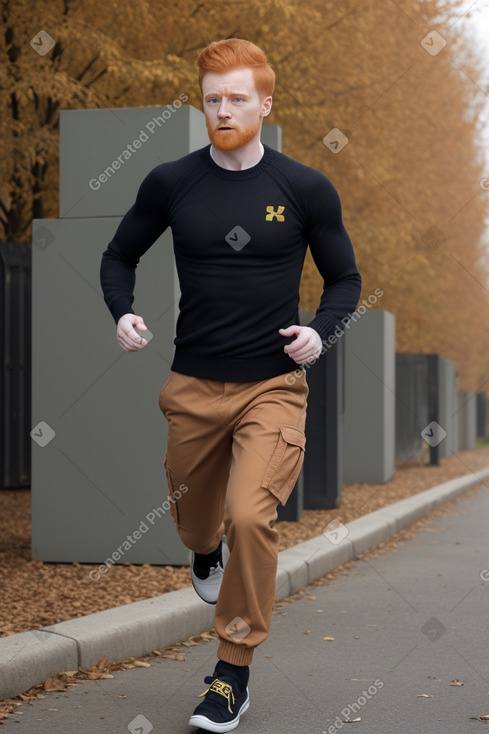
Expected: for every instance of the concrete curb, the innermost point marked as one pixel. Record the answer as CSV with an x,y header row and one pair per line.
x,y
28,658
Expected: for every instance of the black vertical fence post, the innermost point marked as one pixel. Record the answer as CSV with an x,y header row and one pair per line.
x,y
15,364
434,402
323,464
319,484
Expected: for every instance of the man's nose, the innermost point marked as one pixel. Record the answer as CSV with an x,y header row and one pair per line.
x,y
223,109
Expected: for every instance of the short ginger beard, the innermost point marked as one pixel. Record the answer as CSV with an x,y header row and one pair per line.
x,y
231,139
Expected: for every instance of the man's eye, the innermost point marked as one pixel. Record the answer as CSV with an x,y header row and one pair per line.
x,y
238,99
213,100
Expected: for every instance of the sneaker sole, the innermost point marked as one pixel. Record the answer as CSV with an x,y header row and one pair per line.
x,y
202,722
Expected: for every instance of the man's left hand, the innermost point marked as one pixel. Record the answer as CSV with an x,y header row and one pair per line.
x,y
307,345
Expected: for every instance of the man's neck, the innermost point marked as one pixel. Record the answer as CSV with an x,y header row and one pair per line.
x,y
237,160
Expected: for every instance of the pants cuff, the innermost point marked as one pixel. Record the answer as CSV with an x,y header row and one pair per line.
x,y
235,654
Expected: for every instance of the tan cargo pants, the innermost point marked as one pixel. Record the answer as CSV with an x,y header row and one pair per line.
x,y
234,451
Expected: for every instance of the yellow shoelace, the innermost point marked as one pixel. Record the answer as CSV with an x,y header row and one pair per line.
x,y
223,689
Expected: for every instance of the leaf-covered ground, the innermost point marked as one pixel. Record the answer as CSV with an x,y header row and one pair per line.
x,y
36,594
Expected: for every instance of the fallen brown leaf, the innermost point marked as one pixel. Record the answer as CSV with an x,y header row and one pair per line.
x,y
55,683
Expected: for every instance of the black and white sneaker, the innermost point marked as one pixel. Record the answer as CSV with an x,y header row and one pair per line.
x,y
222,706
207,572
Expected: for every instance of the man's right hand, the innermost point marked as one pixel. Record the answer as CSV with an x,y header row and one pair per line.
x,y
128,338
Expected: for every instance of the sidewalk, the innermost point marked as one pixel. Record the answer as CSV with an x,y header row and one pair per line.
x,y
403,624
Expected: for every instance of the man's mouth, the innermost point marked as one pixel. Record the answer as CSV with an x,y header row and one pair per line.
x,y
225,127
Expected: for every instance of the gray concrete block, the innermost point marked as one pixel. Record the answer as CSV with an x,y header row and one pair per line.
x,y
101,404
447,408
138,628
112,150
313,558
28,658
369,421
405,512
390,519
467,420
271,135
282,583
329,557
295,567
310,555
367,531
453,487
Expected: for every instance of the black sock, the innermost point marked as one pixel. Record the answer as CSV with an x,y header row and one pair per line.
x,y
239,673
203,562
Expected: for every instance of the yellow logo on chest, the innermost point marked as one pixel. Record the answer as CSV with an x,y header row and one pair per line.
x,y
271,214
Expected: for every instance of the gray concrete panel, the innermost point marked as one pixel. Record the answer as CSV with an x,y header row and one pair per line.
x,y
369,421
466,420
101,475
447,392
272,135
101,168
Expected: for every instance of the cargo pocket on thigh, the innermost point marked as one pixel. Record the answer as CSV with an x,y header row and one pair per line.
x,y
286,462
173,496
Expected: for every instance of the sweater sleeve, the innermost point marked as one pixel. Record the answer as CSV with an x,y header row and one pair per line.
x,y
332,252
145,221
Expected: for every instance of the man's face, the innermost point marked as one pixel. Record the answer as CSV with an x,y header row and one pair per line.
x,y
233,108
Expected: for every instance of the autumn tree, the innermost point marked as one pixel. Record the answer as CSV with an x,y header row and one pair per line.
x,y
398,79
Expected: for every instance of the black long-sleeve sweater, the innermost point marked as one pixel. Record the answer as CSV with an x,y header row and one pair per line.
x,y
240,239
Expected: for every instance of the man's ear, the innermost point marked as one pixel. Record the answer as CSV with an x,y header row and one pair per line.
x,y
266,106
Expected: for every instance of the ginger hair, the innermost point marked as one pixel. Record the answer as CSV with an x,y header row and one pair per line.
x,y
236,53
